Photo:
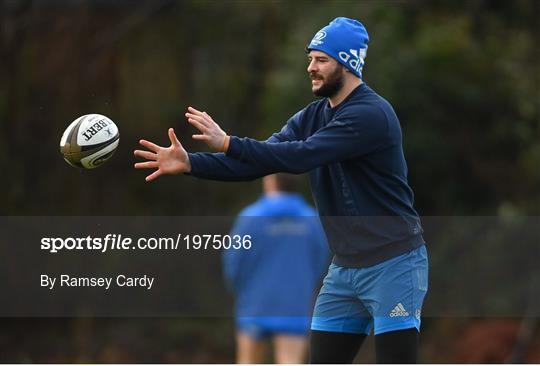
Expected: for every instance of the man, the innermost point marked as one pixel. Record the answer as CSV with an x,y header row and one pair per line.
x,y
274,282
350,143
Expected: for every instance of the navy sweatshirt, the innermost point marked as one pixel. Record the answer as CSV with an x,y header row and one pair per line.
x,y
358,174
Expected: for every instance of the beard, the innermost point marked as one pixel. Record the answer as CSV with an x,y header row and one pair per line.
x,y
331,85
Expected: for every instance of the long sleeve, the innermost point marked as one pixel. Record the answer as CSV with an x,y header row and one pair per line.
x,y
358,132
218,166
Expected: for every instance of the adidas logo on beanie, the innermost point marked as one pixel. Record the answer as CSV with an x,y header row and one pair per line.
x,y
345,40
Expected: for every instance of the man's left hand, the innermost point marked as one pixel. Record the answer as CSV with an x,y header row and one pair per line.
x,y
210,132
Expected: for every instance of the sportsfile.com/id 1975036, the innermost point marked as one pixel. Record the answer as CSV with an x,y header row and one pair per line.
x,y
118,242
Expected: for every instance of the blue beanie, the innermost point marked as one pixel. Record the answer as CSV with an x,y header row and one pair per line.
x,y
345,40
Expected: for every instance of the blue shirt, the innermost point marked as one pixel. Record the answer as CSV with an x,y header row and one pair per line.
x,y
358,174
279,274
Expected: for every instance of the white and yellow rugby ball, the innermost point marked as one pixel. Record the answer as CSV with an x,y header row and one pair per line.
x,y
89,141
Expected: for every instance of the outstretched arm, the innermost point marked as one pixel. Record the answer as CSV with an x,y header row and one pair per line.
x,y
213,166
218,166
360,132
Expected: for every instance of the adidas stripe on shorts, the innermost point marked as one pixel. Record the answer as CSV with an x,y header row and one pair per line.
x,y
385,297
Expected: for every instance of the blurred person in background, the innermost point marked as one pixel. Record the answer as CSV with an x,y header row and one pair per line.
x,y
350,142
275,281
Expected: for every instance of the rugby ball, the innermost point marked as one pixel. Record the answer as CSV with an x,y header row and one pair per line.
x,y
89,141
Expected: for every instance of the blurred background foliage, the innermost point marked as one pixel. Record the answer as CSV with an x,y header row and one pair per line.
x,y
463,76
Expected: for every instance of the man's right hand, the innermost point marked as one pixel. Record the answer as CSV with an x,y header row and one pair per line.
x,y
166,160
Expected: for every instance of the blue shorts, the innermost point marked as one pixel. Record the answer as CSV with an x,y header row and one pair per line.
x,y
262,327
385,297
